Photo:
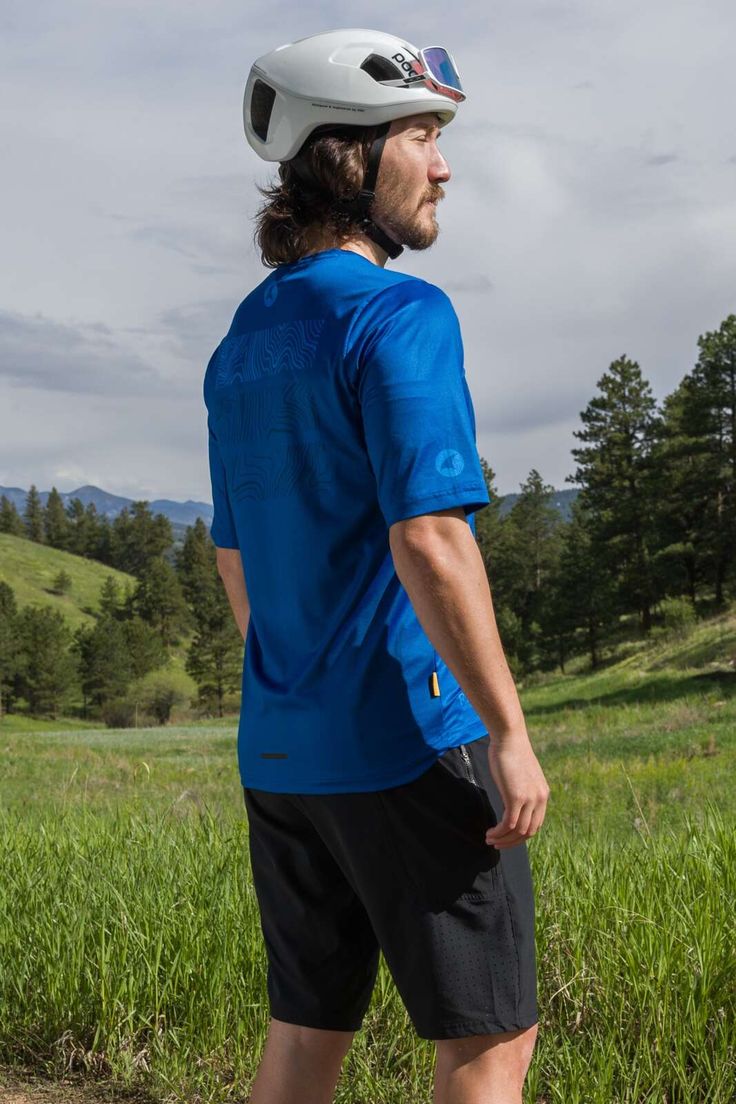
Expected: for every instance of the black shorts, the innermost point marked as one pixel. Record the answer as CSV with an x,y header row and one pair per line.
x,y
405,871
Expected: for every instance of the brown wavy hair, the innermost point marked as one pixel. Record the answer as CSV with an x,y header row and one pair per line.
x,y
298,218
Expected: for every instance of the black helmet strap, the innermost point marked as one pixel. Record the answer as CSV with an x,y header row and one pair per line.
x,y
360,206
364,199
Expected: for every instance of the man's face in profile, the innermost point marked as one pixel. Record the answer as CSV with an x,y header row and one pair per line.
x,y
409,177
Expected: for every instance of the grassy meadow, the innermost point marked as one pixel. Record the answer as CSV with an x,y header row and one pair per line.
x,y
130,946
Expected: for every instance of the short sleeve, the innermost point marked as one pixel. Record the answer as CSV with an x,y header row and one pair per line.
x,y
415,405
222,529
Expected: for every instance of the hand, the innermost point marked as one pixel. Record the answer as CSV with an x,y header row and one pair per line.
x,y
516,771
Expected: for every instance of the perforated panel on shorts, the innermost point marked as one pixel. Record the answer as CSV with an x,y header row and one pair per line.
x,y
477,959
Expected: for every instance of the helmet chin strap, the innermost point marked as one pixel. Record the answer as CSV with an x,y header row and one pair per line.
x,y
360,205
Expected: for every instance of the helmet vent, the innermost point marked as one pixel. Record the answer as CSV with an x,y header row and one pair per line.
x,y
261,105
380,68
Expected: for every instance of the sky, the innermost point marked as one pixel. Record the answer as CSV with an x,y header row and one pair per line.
x,y
591,213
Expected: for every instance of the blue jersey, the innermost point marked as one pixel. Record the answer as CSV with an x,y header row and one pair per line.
x,y
337,405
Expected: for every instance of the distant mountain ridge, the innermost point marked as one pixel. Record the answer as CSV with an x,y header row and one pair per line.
x,y
182,514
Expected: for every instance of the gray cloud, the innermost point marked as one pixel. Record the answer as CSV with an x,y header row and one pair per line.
x,y
194,330
83,358
662,159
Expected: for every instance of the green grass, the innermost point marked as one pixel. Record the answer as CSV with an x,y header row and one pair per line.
x,y
105,770
130,945
133,951
30,569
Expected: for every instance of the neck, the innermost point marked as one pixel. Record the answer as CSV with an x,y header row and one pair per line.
x,y
367,248
360,243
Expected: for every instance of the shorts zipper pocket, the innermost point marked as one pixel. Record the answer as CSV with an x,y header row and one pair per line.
x,y
472,778
468,764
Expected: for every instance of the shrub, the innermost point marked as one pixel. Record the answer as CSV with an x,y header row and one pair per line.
x,y
119,713
62,583
159,691
678,616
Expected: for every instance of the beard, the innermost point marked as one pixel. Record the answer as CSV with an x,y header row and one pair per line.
x,y
409,224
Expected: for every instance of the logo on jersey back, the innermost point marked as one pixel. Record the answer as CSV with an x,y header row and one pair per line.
x,y
270,295
449,462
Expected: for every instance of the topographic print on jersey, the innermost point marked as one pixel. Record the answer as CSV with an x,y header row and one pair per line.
x,y
289,346
267,413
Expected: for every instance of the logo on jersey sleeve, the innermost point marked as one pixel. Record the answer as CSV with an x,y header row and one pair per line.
x,y
449,462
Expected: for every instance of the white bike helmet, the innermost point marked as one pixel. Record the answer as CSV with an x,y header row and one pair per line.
x,y
342,81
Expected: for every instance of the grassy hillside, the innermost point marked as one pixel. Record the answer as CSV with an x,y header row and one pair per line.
x,y
30,569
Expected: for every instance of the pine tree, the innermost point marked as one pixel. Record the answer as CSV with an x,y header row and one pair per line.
x,y
215,656
159,600
618,482
9,645
715,373
196,567
215,661
144,645
78,532
46,675
55,521
33,516
10,519
687,472
103,661
139,538
533,545
103,541
584,590
94,528
61,583
109,604
488,521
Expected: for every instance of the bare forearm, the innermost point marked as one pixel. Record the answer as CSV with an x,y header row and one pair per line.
x,y
230,568
448,588
238,601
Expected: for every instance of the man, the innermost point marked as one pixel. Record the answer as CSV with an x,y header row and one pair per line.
x,y
388,808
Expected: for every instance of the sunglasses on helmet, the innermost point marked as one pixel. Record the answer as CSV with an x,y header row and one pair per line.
x,y
435,68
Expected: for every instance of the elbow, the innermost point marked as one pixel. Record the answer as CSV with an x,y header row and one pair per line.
x,y
433,537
